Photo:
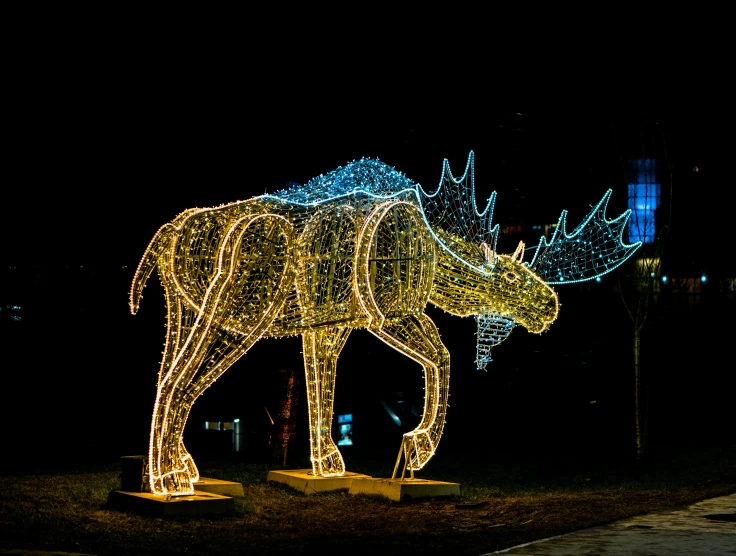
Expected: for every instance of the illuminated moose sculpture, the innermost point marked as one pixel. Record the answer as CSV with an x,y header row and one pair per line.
x,y
361,247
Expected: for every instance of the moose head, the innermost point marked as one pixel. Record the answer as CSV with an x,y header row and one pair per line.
x,y
503,291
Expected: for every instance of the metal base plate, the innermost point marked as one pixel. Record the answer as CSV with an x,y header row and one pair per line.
x,y
198,504
217,486
400,490
304,481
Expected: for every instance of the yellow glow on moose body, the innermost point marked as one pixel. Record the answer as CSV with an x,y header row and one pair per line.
x,y
360,247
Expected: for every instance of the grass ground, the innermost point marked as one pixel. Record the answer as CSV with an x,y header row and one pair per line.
x,y
502,504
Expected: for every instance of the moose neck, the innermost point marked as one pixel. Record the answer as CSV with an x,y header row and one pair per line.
x,y
458,288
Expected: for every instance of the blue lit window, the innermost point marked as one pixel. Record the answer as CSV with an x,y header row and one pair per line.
x,y
346,429
346,435
644,198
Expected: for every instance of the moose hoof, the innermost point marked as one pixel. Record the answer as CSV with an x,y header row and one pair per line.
x,y
173,484
330,466
188,461
419,448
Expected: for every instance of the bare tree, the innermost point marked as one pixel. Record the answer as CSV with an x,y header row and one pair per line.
x,y
650,222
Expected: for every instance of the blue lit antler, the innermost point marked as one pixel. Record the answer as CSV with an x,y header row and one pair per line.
x,y
452,208
593,249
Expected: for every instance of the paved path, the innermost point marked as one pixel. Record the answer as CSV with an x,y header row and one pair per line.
x,y
707,528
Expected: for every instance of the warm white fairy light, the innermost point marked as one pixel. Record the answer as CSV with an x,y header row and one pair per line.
x,y
360,247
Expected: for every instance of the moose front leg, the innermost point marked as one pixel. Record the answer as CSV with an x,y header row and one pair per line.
x,y
417,337
322,347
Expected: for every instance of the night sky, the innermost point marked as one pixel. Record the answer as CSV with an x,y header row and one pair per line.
x,y
110,139
114,132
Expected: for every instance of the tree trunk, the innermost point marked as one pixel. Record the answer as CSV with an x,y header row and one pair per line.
x,y
639,439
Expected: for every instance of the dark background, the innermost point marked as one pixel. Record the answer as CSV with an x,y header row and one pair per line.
x,y
115,129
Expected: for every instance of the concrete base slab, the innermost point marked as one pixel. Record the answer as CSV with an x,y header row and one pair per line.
x,y
304,481
198,504
217,486
400,490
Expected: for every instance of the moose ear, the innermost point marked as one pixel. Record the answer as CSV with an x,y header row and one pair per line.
x,y
519,253
487,251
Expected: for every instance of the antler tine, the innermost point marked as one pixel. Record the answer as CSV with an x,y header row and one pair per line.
x,y
593,249
452,207
518,255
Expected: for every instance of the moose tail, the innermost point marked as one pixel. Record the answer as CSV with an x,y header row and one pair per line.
x,y
156,247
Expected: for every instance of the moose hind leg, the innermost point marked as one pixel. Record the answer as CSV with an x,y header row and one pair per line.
x,y
322,347
417,337
241,302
